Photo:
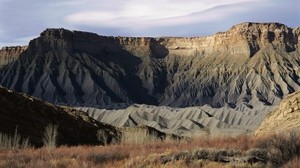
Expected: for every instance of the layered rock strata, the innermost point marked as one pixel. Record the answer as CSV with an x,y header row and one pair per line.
x,y
286,117
10,54
249,66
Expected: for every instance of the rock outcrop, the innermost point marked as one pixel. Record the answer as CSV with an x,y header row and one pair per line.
x,y
10,54
284,118
30,116
250,66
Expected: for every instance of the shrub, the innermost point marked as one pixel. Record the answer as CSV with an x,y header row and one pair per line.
x,y
281,147
13,142
216,155
102,137
137,136
220,154
258,153
101,158
201,154
50,136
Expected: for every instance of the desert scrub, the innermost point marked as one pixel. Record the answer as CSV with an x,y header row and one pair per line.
x,y
102,137
50,136
281,147
218,155
258,153
13,141
99,158
137,136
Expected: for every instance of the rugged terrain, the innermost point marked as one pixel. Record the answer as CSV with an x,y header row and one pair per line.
x,y
10,54
31,116
188,121
285,117
232,78
250,65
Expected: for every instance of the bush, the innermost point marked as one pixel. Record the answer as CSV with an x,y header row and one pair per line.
x,y
137,136
221,154
281,147
101,158
50,136
102,137
216,155
258,154
201,154
13,142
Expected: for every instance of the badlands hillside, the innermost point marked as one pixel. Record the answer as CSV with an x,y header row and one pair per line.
x,y
229,80
188,121
250,65
30,116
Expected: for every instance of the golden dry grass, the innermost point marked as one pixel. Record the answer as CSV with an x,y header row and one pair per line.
x,y
122,155
294,163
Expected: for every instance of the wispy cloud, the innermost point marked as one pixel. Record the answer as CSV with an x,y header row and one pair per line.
x,y
22,19
154,13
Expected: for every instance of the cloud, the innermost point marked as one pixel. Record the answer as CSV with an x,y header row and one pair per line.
x,y
23,19
136,13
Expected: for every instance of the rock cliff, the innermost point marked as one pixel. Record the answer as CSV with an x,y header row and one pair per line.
x,y
250,66
10,54
285,117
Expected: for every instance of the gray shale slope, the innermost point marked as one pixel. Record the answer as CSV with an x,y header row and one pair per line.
x,y
247,69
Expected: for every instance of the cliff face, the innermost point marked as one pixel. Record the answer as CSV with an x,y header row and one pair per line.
x,y
249,66
10,54
285,117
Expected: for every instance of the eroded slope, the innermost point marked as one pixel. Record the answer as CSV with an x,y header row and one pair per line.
x,y
189,121
31,116
250,66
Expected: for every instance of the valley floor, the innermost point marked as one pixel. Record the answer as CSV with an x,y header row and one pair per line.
x,y
241,151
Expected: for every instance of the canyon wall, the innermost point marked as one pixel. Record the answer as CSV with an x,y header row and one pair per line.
x,y
250,66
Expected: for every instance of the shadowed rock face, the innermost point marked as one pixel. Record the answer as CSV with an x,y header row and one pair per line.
x,y
31,116
249,66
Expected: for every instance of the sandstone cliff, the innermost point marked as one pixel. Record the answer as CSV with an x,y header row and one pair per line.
x,y
10,54
250,66
285,117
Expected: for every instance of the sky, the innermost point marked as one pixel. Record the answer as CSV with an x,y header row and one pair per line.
x,y
23,20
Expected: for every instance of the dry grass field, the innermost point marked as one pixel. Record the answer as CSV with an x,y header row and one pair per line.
x,y
242,151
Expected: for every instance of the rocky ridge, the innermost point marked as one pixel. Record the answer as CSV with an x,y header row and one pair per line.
x,y
245,70
10,54
251,65
188,121
285,117
30,116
